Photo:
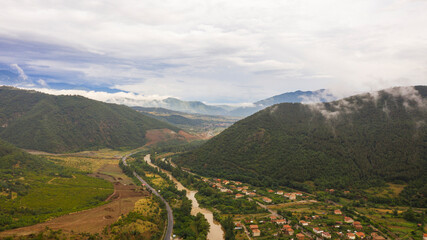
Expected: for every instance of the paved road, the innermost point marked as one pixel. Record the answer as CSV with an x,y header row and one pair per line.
x,y
169,229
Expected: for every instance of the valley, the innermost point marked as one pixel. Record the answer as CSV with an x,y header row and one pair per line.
x,y
286,172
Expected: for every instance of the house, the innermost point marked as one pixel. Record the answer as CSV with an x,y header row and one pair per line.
x,y
223,189
289,231
244,191
281,221
348,220
252,227
238,225
425,236
218,180
287,195
337,212
246,187
317,230
358,227
326,235
279,192
238,183
356,223
239,195
300,236
267,200
251,194
272,217
239,189
292,196
304,223
270,191
256,232
351,236
298,194
286,226
360,235
226,182
346,192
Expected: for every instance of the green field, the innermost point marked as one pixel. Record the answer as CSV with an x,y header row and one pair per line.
x,y
51,196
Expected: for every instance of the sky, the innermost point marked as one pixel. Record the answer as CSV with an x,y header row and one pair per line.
x,y
215,51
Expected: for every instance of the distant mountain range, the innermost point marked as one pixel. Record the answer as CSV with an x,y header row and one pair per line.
x,y
196,107
353,142
13,75
39,121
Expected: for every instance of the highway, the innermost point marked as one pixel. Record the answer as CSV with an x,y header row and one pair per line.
x,y
168,235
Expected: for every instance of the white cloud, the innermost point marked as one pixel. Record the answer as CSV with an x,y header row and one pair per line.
x,y
216,51
21,73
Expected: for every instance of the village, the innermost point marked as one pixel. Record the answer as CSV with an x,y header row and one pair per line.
x,y
293,215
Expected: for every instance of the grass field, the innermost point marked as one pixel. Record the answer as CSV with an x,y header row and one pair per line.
x,y
88,161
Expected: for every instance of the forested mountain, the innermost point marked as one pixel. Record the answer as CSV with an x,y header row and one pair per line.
x,y
361,140
50,123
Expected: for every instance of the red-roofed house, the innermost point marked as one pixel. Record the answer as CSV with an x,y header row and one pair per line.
x,y
351,236
256,232
425,236
253,227
239,195
267,200
281,221
348,220
337,212
279,192
326,235
360,235
317,230
300,236
289,231
304,223
270,191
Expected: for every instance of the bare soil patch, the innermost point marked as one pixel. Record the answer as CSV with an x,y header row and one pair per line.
x,y
93,220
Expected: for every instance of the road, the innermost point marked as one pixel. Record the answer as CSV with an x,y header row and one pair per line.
x,y
169,229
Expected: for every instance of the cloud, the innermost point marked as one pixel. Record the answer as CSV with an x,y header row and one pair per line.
x,y
22,76
125,98
219,51
410,96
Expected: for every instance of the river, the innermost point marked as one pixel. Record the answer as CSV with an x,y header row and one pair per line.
x,y
215,231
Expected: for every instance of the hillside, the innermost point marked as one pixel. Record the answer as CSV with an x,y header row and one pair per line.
x,y
358,141
50,123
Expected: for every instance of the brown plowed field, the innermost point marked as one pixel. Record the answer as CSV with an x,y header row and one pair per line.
x,y
93,220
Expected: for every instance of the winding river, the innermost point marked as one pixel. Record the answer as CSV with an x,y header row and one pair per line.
x,y
215,231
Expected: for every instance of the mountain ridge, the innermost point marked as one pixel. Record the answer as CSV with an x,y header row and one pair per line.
x,y
356,141
39,121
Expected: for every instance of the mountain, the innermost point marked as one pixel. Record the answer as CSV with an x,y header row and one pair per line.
x,y
357,141
50,123
321,95
174,104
